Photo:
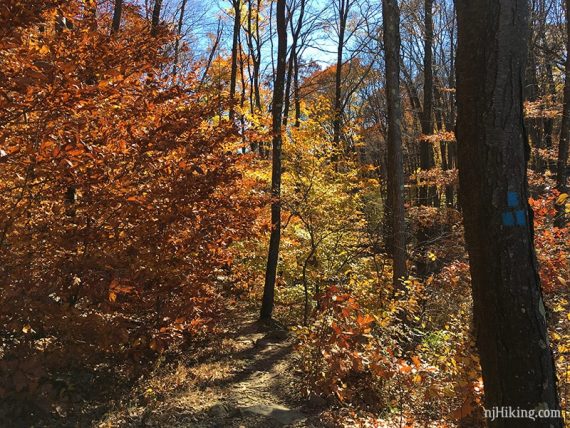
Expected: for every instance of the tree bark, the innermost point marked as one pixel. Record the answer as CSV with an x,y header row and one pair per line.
x,y
509,314
343,9
235,46
254,47
155,17
178,35
277,119
296,32
562,167
117,12
395,169
296,91
426,150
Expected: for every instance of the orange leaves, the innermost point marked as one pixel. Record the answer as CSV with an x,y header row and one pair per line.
x,y
416,361
117,288
364,321
550,242
545,107
113,175
438,137
404,367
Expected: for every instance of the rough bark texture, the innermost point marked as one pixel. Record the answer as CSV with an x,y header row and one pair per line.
x,y
561,168
277,118
395,173
509,314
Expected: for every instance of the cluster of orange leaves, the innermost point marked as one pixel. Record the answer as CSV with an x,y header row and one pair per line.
x,y
551,243
121,192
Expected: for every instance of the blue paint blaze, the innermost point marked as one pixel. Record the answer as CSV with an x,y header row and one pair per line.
x,y
520,216
513,199
508,219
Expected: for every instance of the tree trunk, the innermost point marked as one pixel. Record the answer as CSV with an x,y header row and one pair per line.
x,y
277,118
426,150
296,88
395,170
155,17
450,123
561,167
509,314
254,46
235,47
292,56
178,35
117,11
343,9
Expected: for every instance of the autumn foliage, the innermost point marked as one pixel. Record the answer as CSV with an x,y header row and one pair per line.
x,y
133,212
121,193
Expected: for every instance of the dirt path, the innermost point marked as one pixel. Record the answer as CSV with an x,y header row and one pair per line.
x,y
244,377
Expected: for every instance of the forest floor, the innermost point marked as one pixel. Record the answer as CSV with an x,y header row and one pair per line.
x,y
245,376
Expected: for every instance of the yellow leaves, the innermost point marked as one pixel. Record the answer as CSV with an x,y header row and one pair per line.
x,y
561,198
27,328
555,336
560,305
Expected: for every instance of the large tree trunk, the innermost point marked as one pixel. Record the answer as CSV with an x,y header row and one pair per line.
x,y
277,118
395,169
561,166
509,314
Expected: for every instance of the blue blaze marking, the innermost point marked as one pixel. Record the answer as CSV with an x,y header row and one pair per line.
x,y
521,217
513,199
508,219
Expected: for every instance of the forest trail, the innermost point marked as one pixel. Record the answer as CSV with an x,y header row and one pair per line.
x,y
243,377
